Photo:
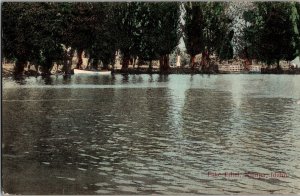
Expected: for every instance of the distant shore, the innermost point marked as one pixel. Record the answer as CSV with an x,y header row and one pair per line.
x,y
8,71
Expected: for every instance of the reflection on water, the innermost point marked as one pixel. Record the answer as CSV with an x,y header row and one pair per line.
x,y
150,134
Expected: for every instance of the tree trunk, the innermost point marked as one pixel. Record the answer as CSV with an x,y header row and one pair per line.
x,y
125,62
166,64
19,67
192,61
47,67
202,63
150,66
164,67
105,64
67,62
28,66
95,63
79,57
205,59
67,67
130,61
278,65
161,62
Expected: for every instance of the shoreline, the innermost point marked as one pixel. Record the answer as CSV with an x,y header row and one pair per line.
x,y
7,71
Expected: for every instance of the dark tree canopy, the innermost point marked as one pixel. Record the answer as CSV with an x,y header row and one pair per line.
x,y
160,31
273,34
40,32
193,28
32,32
226,50
206,28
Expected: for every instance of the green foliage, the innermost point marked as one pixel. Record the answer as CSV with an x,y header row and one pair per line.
x,y
103,33
226,50
216,26
159,29
150,31
31,32
18,32
81,24
297,17
147,30
38,32
193,28
169,27
273,33
206,27
128,18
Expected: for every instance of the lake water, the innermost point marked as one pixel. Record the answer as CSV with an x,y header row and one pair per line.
x,y
142,134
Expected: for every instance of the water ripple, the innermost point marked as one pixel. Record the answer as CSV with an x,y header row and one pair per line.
x,y
151,135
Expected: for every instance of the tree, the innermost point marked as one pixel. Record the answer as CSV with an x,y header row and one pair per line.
x,y
31,32
104,35
235,12
79,30
193,29
216,28
206,28
159,32
169,28
149,32
226,50
18,34
128,22
273,33
48,34
297,17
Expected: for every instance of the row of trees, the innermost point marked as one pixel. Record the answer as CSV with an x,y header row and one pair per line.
x,y
266,31
208,30
272,32
41,33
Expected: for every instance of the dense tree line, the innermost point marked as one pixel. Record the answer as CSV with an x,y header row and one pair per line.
x,y
44,33
40,33
272,33
207,30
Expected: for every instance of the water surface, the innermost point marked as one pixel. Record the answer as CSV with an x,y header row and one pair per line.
x,y
142,134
